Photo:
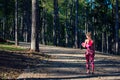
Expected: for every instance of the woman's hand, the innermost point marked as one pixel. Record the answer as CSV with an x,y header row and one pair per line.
x,y
83,44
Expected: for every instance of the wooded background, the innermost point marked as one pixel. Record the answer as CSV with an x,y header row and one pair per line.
x,y
62,22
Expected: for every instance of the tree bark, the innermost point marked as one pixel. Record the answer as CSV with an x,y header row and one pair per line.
x,y
66,26
116,28
34,34
56,33
76,24
16,22
43,27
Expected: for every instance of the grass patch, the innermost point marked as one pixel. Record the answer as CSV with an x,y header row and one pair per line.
x,y
10,47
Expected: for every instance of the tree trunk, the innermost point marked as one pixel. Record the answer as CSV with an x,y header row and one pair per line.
x,y
107,43
22,29
56,30
103,42
71,25
16,22
66,27
5,19
3,29
76,24
34,34
117,27
86,20
43,27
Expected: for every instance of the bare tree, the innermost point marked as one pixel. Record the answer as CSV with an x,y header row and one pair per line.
x,y
16,22
34,34
76,24
56,31
117,27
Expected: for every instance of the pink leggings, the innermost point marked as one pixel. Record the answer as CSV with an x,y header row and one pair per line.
x,y
89,61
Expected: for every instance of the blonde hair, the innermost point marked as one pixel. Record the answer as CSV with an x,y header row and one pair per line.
x,y
88,34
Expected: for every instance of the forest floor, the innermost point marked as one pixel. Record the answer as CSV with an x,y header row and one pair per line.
x,y
57,63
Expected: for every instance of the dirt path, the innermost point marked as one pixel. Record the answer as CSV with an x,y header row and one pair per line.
x,y
69,64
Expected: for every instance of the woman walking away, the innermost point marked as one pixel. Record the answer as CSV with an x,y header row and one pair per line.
x,y
90,52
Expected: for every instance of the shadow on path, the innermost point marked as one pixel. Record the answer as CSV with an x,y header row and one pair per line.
x,y
70,64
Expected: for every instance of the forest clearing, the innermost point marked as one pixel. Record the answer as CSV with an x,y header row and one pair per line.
x,y
60,39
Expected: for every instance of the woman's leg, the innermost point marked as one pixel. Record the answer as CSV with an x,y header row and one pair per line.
x,y
92,62
87,63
